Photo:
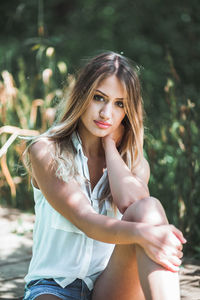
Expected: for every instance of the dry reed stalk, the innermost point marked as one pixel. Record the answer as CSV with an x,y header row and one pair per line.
x,y
7,175
24,132
9,142
34,110
22,117
15,131
3,102
10,89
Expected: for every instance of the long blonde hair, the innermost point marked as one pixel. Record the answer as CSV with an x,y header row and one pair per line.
x,y
96,70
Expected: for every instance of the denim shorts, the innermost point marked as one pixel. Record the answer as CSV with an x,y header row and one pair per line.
x,y
77,290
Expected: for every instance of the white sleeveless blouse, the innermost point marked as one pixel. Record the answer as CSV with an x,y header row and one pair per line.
x,y
60,250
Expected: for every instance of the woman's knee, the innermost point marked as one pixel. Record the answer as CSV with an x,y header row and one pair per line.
x,y
147,210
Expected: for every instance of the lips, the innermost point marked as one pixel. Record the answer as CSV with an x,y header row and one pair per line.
x,y
102,125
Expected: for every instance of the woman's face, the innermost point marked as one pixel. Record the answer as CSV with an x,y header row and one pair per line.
x,y
106,110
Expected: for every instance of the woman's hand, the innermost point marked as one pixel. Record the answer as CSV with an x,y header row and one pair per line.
x,y
115,136
163,244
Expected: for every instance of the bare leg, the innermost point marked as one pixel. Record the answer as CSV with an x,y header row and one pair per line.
x,y
160,283
130,273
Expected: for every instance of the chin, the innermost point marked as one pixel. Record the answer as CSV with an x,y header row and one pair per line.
x,y
100,133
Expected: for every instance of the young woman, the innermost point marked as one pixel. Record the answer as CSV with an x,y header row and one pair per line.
x,y
98,233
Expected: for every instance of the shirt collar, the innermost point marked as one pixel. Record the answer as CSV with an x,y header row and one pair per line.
x,y
76,140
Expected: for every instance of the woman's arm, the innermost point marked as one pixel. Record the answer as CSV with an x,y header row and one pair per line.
x,y
126,187
69,200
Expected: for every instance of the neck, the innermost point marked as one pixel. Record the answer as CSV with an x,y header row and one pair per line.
x,y
92,145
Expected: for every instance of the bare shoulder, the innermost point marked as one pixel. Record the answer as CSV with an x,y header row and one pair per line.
x,y
41,159
142,170
41,149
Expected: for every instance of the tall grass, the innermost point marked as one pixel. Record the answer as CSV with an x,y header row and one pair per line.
x,y
22,115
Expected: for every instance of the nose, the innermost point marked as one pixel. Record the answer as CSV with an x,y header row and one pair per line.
x,y
106,111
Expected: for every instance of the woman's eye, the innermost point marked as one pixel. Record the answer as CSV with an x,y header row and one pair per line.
x,y
98,98
120,104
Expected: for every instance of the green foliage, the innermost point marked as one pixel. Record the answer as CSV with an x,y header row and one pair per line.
x,y
174,161
161,37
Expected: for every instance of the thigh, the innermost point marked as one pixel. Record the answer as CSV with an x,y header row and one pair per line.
x,y
120,280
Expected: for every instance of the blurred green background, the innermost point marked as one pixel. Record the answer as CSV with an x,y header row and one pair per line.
x,y
43,43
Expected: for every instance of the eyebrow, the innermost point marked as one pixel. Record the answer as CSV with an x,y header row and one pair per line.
x,y
107,95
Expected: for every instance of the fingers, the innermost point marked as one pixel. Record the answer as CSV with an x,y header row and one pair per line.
x,y
171,263
172,255
165,246
167,257
169,266
179,254
180,247
173,252
164,258
178,234
175,261
173,240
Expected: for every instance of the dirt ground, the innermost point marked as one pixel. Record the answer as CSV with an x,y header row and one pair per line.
x,y
15,253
